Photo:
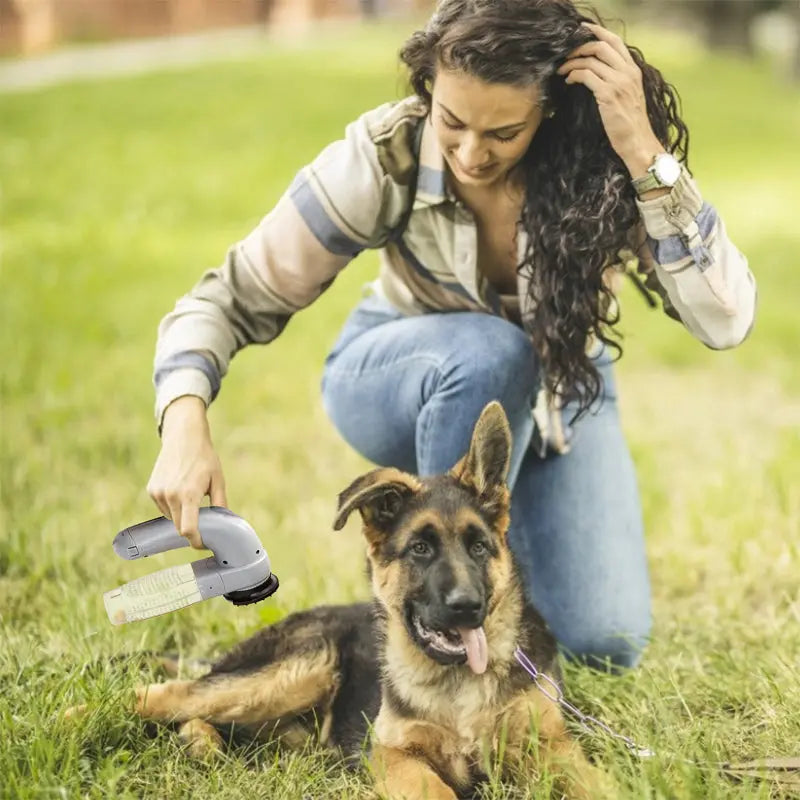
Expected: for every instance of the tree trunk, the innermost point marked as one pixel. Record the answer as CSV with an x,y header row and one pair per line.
x,y
727,23
795,70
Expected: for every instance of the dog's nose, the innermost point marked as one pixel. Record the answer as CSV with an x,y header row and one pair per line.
x,y
464,604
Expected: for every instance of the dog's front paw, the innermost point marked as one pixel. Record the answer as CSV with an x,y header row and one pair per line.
x,y
400,776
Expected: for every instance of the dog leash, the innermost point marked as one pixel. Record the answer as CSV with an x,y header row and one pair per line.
x,y
585,719
785,770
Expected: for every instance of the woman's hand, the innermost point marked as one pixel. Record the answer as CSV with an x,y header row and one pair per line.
x,y
607,68
187,468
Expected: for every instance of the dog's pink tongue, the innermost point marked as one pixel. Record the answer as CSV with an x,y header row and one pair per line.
x,y
477,650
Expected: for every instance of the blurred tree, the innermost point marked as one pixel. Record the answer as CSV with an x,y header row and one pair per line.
x,y
264,10
724,23
795,74
727,23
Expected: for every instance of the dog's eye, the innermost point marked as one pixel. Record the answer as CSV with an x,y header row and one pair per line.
x,y
479,549
420,548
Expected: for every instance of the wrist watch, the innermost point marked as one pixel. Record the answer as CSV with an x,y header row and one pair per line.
x,y
664,171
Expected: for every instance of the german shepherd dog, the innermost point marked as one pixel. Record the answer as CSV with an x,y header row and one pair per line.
x,y
427,670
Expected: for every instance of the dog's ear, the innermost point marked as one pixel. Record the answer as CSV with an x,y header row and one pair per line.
x,y
379,496
485,467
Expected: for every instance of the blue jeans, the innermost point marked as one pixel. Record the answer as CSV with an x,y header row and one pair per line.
x,y
406,392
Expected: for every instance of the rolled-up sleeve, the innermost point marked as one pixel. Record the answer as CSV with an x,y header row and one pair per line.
x,y
703,278
337,206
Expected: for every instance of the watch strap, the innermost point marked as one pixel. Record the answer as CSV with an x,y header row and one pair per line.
x,y
646,183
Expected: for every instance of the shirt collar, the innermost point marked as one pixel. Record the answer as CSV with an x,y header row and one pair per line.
x,y
432,188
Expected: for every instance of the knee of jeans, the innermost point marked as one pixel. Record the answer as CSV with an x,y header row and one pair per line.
x,y
612,651
495,357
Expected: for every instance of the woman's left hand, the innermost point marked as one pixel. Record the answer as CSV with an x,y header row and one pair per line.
x,y
606,68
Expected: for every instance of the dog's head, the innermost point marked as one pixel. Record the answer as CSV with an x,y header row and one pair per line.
x,y
437,546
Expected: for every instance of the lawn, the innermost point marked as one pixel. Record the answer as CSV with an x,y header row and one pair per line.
x,y
117,194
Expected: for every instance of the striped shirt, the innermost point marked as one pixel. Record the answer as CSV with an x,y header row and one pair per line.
x,y
357,193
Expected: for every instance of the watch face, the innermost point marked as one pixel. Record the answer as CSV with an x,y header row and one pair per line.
x,y
667,169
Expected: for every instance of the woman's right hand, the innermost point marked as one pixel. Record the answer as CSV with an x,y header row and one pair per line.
x,y
187,468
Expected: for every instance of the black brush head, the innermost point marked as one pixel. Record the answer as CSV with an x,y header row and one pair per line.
x,y
246,597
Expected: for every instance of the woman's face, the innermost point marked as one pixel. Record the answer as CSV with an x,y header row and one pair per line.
x,y
484,129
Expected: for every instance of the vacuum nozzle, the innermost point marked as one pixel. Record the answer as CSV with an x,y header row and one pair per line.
x,y
246,597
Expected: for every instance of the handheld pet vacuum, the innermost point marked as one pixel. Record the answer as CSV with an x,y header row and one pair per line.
x,y
239,570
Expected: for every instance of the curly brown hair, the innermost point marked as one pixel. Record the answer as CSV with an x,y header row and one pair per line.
x,y
580,207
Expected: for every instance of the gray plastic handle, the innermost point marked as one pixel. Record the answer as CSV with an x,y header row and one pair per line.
x,y
240,561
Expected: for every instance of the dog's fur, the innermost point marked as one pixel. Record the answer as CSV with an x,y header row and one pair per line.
x,y
437,557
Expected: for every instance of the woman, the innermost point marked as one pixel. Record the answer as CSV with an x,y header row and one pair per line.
x,y
538,152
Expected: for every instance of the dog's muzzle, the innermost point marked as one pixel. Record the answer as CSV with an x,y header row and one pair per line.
x,y
459,644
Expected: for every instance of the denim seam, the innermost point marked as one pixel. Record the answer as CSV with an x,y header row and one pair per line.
x,y
344,373
422,454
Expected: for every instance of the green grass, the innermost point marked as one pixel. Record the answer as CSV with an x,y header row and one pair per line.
x,y
116,195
